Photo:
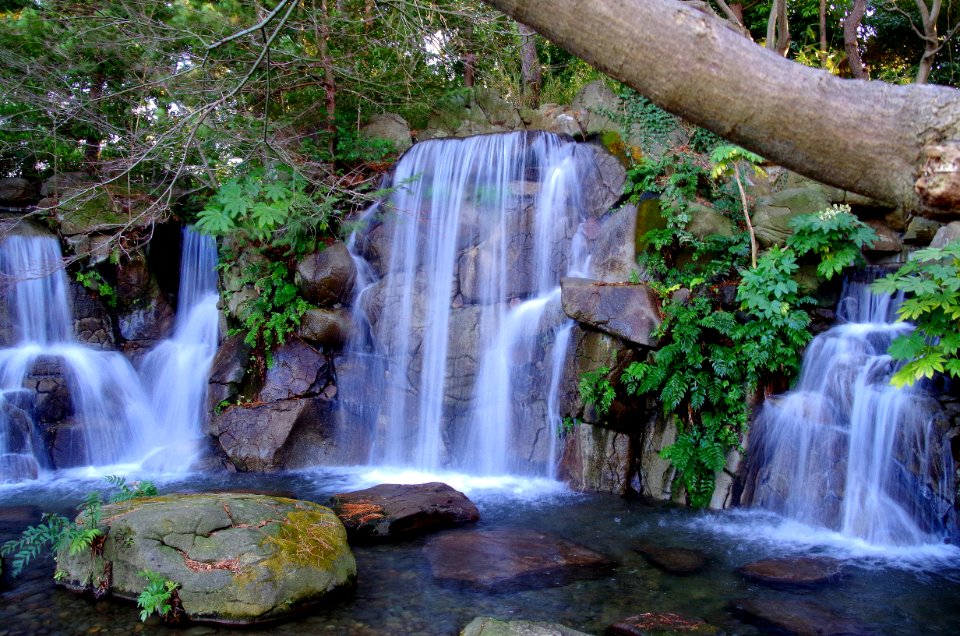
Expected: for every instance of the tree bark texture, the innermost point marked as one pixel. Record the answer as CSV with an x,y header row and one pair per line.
x,y
876,139
851,26
532,78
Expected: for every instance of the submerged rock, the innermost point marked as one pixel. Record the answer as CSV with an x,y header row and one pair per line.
x,y
792,571
509,560
398,511
799,617
486,626
659,623
238,558
676,561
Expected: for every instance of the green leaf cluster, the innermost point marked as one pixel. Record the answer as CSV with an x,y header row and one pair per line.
x,y
275,312
716,353
58,533
932,282
595,388
159,596
834,236
95,282
273,208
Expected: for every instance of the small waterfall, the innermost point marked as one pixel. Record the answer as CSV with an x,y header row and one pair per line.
x,y
108,412
461,316
104,412
175,372
846,450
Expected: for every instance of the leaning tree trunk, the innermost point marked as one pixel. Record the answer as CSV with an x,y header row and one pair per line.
x,y
897,144
851,44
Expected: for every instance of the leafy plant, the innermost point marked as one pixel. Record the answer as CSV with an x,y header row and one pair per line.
x,y
834,235
59,533
726,160
595,388
276,310
95,282
932,281
159,596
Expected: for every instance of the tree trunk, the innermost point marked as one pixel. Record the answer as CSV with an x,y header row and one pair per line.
x,y
931,42
322,35
823,33
892,143
531,77
778,29
851,26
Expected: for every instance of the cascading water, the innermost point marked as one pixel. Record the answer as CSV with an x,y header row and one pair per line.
x,y
109,417
464,324
175,372
845,449
109,408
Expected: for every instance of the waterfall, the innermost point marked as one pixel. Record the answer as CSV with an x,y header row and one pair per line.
x,y
845,449
461,338
92,402
175,372
108,412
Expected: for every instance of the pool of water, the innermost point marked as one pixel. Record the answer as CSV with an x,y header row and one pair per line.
x,y
887,591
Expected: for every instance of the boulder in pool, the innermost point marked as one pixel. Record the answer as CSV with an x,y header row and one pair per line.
x,y
390,512
659,623
797,616
788,572
238,558
672,560
510,559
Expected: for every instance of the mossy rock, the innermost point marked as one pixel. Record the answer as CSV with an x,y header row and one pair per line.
x,y
238,558
100,209
487,626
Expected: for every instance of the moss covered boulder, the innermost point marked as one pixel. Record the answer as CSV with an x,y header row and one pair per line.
x,y
238,558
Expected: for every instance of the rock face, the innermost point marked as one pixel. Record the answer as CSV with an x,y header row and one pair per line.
x,y
17,191
326,278
629,312
397,511
389,126
508,560
238,558
486,626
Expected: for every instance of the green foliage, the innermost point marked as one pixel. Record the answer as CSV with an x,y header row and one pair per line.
x,y
726,156
932,282
276,310
159,596
274,208
834,235
715,354
596,388
95,282
59,533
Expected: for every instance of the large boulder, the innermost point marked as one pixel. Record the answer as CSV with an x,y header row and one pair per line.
x,y
326,278
614,257
398,511
597,107
237,558
597,459
629,312
602,178
772,214
797,616
298,371
389,126
791,572
329,329
227,370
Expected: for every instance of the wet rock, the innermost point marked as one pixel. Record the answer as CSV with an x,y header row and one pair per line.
x,y
597,459
486,626
509,560
228,370
921,230
239,559
792,571
629,312
676,561
659,623
614,256
602,177
946,234
795,616
298,371
399,511
329,329
254,436
326,278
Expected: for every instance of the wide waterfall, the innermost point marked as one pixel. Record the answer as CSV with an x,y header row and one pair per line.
x,y
462,339
104,414
846,450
